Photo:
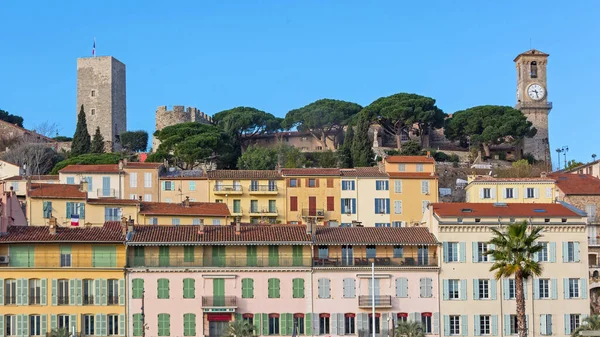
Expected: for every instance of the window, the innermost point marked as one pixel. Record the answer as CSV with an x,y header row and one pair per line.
x,y
254,206
349,324
426,287
93,93
426,321
483,289
542,255
273,324
47,209
147,197
397,224
298,288
454,289
485,325
113,292
381,185
323,252
533,69
247,288
133,180
93,112
293,182
104,256
512,289
482,248
574,321
88,325
348,185
112,214
113,325
312,183
35,291
175,221
63,292
188,253
168,186
530,193
397,186
509,193
398,207
148,179
546,325
35,325
63,322
419,167
299,323
154,221
347,206
10,322
65,256
324,288
10,291
544,288
377,324
398,251
138,288
513,325
371,252
454,325
324,324
216,222
189,324
573,284
487,193
163,288
452,252
293,204
164,324
88,292
192,185
248,318
70,180
273,289
382,206
425,186
569,251
133,196
330,203
402,317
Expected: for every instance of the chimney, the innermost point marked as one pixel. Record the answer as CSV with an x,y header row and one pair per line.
x,y
83,186
130,224
201,229
543,174
186,202
238,225
140,198
52,225
124,224
428,154
125,162
310,226
121,164
4,217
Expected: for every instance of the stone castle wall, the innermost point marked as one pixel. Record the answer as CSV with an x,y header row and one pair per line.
x,y
179,114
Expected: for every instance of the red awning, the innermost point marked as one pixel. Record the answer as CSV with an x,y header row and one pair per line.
x,y
403,314
274,315
218,317
299,315
324,315
349,315
248,316
376,315
426,314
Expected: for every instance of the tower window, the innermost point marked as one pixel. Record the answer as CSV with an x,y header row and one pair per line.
x,y
93,93
533,69
93,112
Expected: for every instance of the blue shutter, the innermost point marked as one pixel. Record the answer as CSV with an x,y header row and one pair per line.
x,y
494,325
583,289
353,205
376,206
464,321
68,211
476,325
475,252
554,286
536,289
387,185
445,250
445,290
552,251
507,324
565,252
567,325
505,288
446,325
353,186
463,252
493,289
463,290
387,206
566,287
475,289
576,251
525,288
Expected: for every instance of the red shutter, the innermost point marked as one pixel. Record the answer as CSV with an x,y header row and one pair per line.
x,y
330,203
298,182
317,182
306,182
288,182
329,182
294,204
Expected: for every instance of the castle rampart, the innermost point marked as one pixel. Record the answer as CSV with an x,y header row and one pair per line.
x,y
179,114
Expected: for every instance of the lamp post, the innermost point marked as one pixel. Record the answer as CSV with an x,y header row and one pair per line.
x,y
558,151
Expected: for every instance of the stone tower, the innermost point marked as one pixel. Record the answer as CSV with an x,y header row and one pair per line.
x,y
179,114
532,100
101,90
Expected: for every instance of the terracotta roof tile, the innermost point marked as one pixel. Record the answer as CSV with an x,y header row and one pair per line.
x,y
363,172
465,209
58,191
138,165
53,177
375,235
496,179
244,174
105,168
577,184
413,175
195,208
109,232
226,233
112,201
311,172
409,159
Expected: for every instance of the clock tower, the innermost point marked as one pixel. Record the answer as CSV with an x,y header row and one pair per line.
x,y
532,100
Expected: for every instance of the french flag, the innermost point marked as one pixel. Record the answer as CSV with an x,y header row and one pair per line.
x,y
75,220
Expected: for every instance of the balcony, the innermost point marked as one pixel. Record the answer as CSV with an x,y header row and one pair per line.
x,y
423,261
263,190
381,301
534,105
33,300
106,193
318,213
63,300
74,260
264,211
228,189
219,303
10,300
231,261
88,300
594,242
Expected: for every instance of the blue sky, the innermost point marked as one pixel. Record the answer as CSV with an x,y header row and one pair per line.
x,y
279,55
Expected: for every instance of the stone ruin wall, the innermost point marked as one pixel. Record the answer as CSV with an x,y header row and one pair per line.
x,y
179,114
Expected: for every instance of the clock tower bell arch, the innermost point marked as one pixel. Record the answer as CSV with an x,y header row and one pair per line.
x,y
532,100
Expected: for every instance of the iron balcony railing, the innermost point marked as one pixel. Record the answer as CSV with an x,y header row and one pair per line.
x,y
263,210
313,212
10,300
227,188
76,260
236,261
88,300
219,301
63,300
355,261
34,299
593,242
112,300
106,193
263,188
381,301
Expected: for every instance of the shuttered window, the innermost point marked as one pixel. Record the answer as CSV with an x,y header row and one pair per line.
x,y
425,285
298,288
188,253
164,325
247,288
349,288
189,288
273,290
324,285
137,324
189,324
330,203
294,204
137,290
163,288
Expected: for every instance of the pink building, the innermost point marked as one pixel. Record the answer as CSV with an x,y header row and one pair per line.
x,y
194,280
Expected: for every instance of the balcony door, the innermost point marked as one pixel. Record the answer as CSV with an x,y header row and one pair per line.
x,y
106,186
312,206
218,292
347,255
377,290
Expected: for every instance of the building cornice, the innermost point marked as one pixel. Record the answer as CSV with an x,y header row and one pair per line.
x,y
486,228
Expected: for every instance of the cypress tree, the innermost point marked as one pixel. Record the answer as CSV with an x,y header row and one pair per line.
x,y
81,140
97,142
362,146
346,150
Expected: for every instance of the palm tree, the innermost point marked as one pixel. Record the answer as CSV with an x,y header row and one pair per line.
x,y
240,329
513,251
59,333
589,323
409,329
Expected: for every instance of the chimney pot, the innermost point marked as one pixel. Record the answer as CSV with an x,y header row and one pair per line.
x,y
186,202
238,226
201,229
428,154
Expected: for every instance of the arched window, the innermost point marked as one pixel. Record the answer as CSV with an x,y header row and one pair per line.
x,y
533,69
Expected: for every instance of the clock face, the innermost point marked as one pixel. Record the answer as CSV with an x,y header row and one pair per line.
x,y
536,92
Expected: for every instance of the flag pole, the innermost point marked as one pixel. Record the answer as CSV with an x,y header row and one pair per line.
x,y
373,296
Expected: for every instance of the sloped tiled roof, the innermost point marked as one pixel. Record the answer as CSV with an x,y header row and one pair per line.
x,y
104,168
412,175
311,172
53,177
138,165
112,201
465,209
577,184
244,174
195,208
496,179
363,172
57,191
259,234
375,236
409,159
109,232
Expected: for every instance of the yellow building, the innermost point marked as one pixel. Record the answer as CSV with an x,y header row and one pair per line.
x,y
65,202
140,180
313,194
176,186
413,185
19,183
55,277
254,195
510,190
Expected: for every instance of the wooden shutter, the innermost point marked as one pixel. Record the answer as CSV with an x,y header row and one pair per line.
x,y
349,288
294,204
317,182
330,203
329,182
402,287
247,288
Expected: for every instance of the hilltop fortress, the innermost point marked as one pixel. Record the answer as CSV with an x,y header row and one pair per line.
x,y
179,114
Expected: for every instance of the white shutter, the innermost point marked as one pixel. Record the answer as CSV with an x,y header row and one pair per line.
x,y
398,186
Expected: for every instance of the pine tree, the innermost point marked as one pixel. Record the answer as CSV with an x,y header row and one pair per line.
x,y
345,152
98,142
81,140
362,151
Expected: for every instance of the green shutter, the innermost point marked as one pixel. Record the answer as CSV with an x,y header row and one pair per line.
x,y
163,256
273,288
298,288
218,256
273,256
251,256
265,324
103,290
121,291
21,256
163,288
73,323
247,288
137,324
54,291
68,210
43,324
1,292
308,324
104,256
218,292
297,256
44,290
189,325
82,212
1,325
256,321
137,288
188,254
138,256
47,209
164,325
53,322
122,324
283,324
189,288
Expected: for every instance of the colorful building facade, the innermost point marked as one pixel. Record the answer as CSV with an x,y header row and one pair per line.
x,y
179,185
365,197
488,189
